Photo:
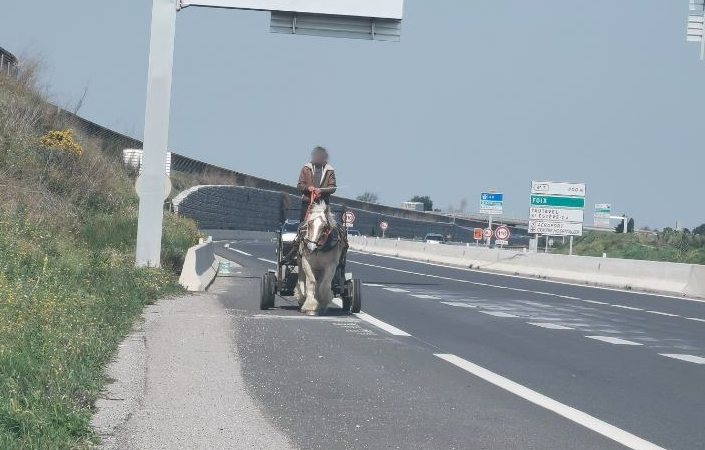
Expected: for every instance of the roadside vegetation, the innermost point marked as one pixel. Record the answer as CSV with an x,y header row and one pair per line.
x,y
68,290
669,245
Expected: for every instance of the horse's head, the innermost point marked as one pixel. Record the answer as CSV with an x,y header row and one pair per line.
x,y
317,227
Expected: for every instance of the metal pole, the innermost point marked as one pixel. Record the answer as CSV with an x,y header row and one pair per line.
x,y
156,133
546,249
489,239
570,252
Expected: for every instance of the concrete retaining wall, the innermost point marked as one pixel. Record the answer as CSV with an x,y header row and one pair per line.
x,y
251,209
200,267
650,276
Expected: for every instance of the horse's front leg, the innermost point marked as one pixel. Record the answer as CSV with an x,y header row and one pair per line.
x,y
310,305
324,291
300,290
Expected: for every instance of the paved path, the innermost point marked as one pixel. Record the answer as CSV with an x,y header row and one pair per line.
x,y
179,385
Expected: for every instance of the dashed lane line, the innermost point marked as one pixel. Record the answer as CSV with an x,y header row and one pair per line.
x,y
391,329
695,319
613,340
498,314
687,358
619,435
459,304
628,307
393,289
425,296
267,260
550,326
660,313
239,251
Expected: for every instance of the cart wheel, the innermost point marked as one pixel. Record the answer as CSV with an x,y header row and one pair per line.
x,y
356,296
271,289
264,292
353,296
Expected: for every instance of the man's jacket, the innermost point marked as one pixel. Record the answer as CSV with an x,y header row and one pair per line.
x,y
306,180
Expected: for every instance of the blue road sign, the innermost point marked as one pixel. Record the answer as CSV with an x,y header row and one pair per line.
x,y
492,197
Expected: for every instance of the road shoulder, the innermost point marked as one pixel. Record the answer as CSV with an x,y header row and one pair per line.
x,y
176,383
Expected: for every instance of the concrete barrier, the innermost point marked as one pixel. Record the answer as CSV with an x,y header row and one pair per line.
x,y
239,235
648,276
200,267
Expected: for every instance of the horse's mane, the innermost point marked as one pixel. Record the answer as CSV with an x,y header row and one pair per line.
x,y
319,209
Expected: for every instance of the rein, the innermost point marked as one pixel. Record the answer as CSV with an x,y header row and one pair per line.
x,y
329,229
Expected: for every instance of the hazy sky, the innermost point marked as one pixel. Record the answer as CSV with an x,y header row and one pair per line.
x,y
480,94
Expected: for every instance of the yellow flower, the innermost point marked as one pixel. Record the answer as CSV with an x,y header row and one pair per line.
x,y
61,140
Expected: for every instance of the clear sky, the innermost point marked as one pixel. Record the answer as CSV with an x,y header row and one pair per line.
x,y
480,94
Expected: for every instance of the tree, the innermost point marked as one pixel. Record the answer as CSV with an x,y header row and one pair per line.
x,y
369,197
700,229
426,200
630,225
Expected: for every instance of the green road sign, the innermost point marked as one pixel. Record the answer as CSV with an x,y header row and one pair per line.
x,y
560,202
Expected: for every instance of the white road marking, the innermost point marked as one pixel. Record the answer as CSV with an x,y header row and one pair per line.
x,y
426,296
267,260
696,319
566,283
628,307
687,358
383,325
375,321
372,284
550,326
393,289
239,251
460,304
498,314
596,302
613,340
663,313
590,422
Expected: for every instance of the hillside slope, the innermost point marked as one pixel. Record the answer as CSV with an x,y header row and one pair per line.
x,y
68,290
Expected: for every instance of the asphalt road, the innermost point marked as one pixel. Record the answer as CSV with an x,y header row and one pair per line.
x,y
454,358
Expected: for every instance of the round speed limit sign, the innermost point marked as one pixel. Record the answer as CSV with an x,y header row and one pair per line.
x,y
502,233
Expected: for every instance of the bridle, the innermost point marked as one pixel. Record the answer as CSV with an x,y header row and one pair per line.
x,y
305,227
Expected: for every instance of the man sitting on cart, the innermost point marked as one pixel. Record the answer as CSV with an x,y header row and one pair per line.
x,y
316,178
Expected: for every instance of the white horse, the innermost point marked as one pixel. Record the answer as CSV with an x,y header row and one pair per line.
x,y
317,262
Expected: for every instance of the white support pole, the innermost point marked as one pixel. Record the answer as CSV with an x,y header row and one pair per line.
x,y
570,252
489,239
156,133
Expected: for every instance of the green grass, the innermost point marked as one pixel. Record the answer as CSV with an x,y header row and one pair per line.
x,y
68,290
667,245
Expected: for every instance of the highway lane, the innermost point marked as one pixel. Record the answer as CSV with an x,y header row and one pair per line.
x,y
599,351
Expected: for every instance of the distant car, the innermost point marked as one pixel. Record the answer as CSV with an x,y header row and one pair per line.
x,y
289,230
354,233
434,238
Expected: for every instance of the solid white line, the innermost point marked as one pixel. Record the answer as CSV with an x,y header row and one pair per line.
x,y
605,429
426,296
372,284
613,340
567,283
239,251
267,260
696,319
663,313
383,325
628,307
460,304
687,358
550,326
393,289
596,302
498,314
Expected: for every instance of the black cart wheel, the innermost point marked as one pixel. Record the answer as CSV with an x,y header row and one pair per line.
x,y
356,296
264,292
352,300
271,288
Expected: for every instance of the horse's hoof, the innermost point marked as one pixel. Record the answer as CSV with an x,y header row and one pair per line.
x,y
311,313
